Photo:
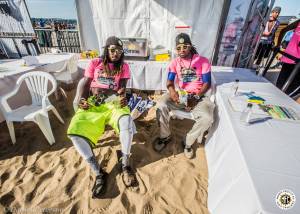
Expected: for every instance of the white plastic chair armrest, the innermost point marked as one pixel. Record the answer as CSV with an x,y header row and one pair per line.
x,y
211,93
44,105
212,98
4,98
72,64
79,92
75,106
45,98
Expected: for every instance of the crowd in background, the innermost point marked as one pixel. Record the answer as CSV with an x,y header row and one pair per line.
x,y
55,24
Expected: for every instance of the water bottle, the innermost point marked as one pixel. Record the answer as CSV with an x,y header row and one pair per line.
x,y
183,96
113,99
246,114
234,88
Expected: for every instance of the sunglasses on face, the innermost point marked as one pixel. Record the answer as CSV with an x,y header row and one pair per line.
x,y
115,50
182,47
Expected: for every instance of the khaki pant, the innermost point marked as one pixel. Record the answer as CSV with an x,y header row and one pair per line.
x,y
203,116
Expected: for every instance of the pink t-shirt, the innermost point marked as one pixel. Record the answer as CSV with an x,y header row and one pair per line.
x,y
100,79
191,73
293,47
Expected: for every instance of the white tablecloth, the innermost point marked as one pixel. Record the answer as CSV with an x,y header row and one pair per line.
x,y
145,75
148,75
47,62
249,165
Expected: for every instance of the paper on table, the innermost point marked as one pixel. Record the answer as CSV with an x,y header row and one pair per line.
x,y
55,51
30,60
240,103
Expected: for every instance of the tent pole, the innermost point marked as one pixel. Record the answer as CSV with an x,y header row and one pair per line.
x,y
27,11
78,26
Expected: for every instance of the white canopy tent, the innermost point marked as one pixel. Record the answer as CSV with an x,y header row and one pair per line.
x,y
221,29
151,19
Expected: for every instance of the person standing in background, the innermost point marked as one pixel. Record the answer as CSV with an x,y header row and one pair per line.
x,y
267,39
293,48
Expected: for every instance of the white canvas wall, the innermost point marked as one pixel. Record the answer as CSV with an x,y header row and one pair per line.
x,y
152,19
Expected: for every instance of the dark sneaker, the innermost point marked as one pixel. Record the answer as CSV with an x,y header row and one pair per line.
x,y
161,143
128,176
99,185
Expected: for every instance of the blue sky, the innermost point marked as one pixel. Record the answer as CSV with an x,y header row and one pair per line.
x,y
289,7
66,8
52,8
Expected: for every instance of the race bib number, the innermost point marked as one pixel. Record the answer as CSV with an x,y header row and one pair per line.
x,y
188,75
108,81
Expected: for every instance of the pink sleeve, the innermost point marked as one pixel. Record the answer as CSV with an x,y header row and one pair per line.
x,y
206,67
125,71
89,71
172,66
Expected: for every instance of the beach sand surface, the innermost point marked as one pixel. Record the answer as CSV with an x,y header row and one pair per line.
x,y
38,178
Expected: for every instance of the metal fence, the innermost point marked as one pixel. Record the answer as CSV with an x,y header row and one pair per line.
x,y
65,40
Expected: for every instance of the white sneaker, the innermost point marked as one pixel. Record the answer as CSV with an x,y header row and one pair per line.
x,y
189,152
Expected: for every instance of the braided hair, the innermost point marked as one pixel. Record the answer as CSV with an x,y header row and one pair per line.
x,y
193,50
117,65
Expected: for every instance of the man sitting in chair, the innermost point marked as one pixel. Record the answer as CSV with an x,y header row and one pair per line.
x,y
104,102
194,79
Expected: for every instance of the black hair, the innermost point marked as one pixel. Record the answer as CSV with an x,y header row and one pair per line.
x,y
193,50
117,65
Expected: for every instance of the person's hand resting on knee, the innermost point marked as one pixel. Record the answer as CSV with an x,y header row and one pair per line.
x,y
174,94
123,101
83,104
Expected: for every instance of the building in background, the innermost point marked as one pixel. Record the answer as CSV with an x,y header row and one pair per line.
x,y
284,21
20,35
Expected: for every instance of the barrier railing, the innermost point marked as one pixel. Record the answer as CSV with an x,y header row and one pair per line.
x,y
65,40
274,52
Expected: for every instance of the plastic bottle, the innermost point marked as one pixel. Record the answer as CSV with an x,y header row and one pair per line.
x,y
246,114
234,88
183,96
113,98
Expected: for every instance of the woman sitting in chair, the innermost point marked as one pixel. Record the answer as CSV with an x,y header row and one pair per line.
x,y
104,102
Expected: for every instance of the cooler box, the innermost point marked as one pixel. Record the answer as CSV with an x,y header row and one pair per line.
x,y
135,47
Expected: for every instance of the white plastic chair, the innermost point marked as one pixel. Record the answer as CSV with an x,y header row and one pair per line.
x,y
37,84
67,73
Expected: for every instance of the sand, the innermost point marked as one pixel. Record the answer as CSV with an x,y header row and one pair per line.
x,y
38,178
